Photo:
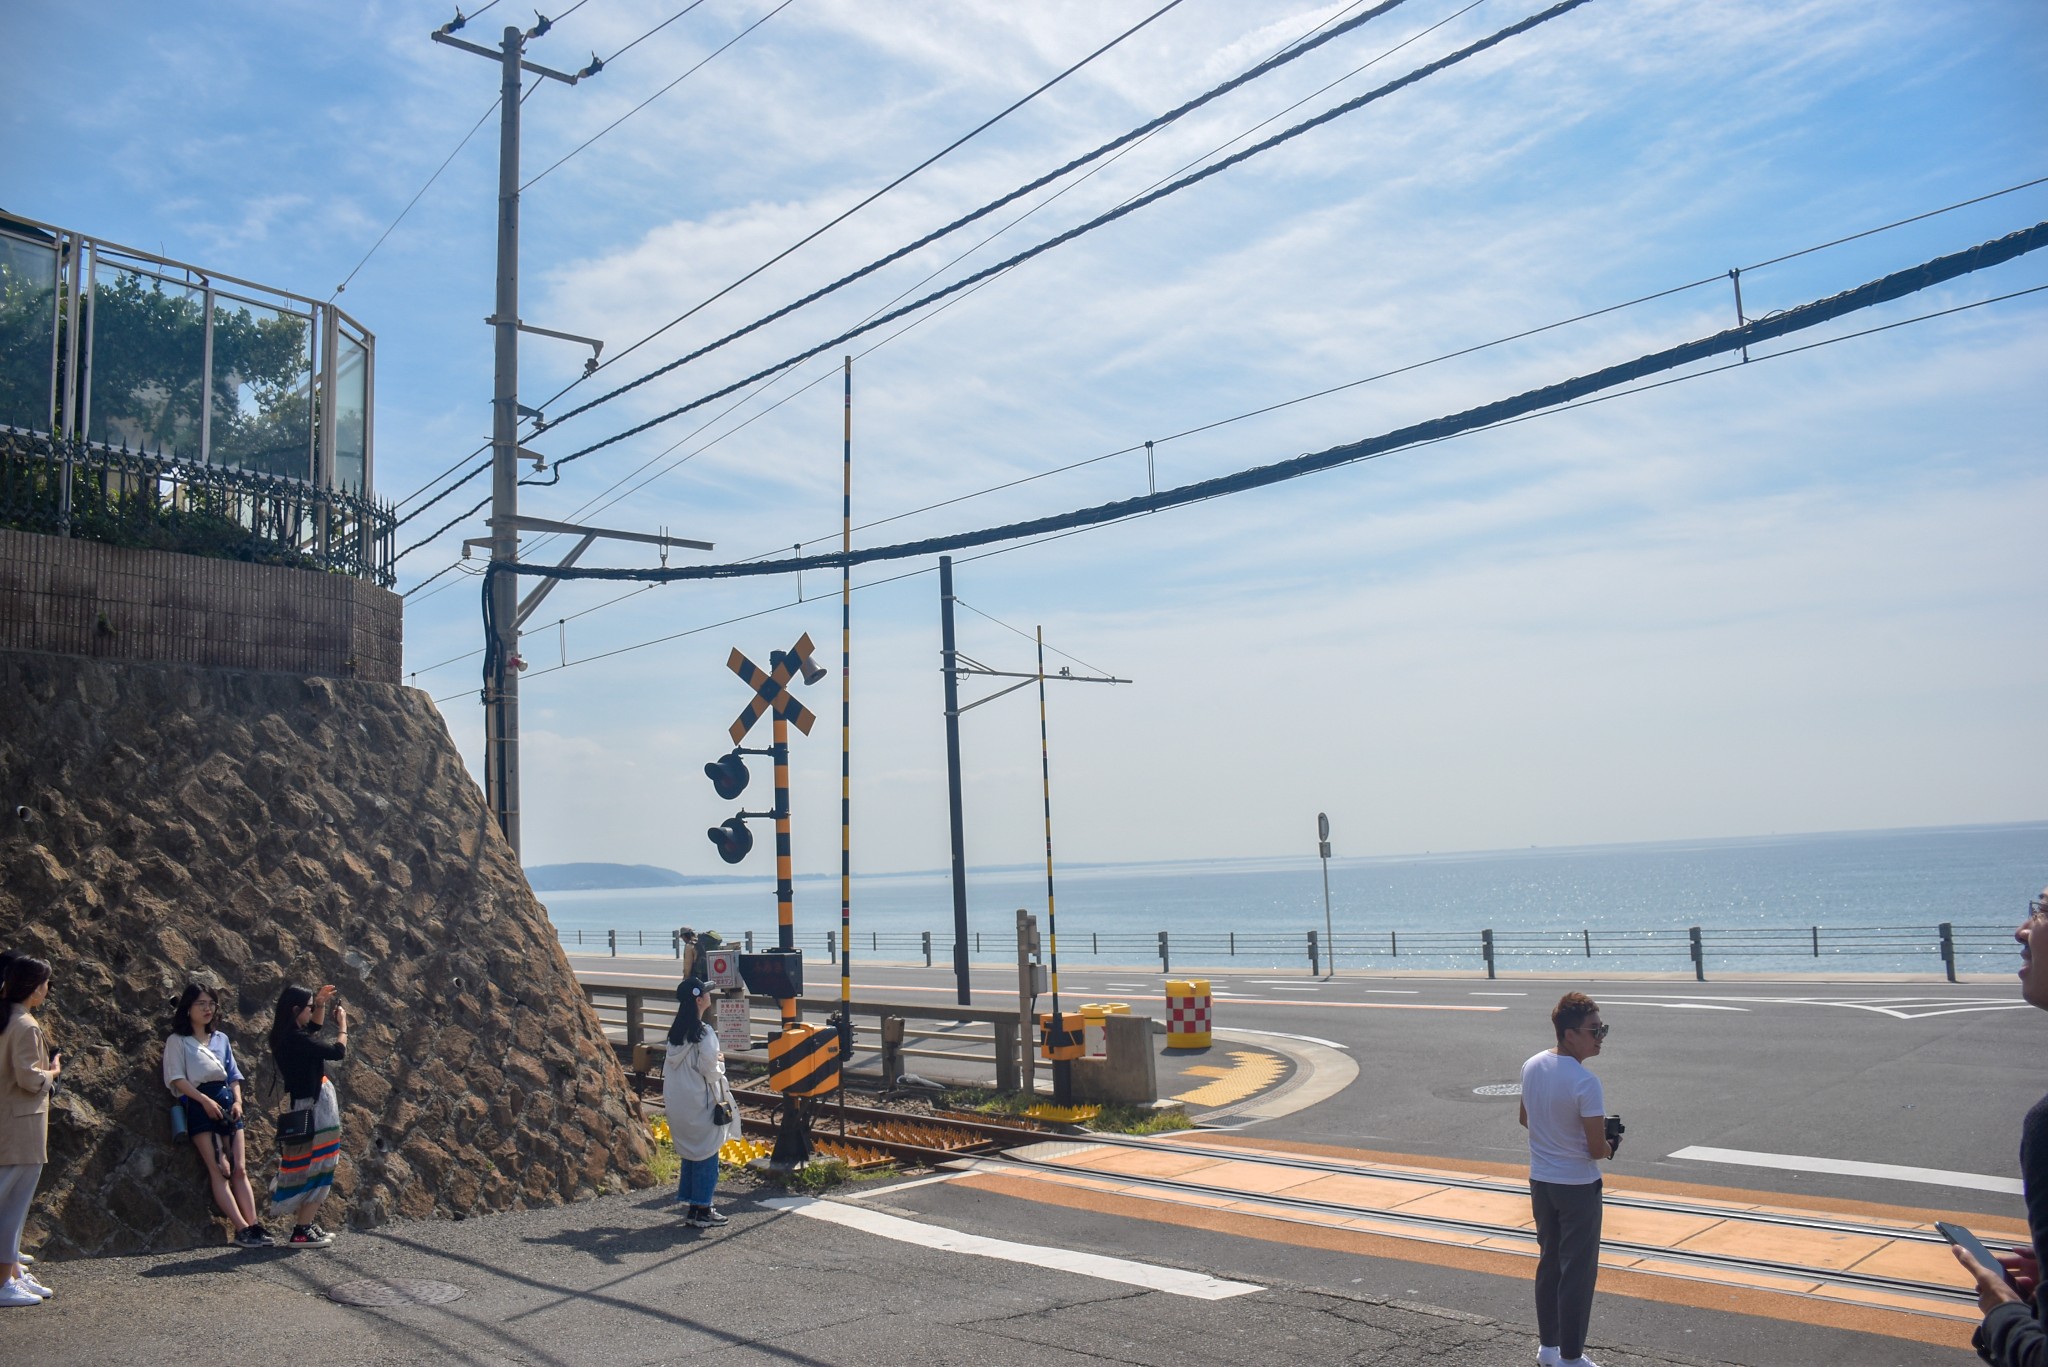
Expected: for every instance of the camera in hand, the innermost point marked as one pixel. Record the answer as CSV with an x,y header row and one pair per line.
x,y
1615,1130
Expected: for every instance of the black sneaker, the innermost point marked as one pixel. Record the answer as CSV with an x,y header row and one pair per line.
x,y
309,1236
252,1237
322,1232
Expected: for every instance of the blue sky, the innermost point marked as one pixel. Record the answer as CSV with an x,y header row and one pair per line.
x,y
1802,595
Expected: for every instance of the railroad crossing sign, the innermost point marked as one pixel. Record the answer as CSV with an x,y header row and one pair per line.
x,y
771,689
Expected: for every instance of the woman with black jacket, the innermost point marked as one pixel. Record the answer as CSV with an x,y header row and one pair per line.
x,y
309,1148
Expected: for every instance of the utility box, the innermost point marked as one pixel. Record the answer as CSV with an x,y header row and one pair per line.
x,y
1128,1072
777,973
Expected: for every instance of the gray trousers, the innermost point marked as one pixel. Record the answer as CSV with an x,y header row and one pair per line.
x,y
1568,1238
17,1189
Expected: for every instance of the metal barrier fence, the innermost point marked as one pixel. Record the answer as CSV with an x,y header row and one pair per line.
x,y
637,1019
1941,946
128,498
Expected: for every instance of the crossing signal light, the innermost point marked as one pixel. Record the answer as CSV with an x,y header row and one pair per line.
x,y
728,775
732,838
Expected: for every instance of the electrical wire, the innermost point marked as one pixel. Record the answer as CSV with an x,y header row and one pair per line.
x,y
1100,220
446,161
1307,43
1896,285
960,602
1040,540
664,90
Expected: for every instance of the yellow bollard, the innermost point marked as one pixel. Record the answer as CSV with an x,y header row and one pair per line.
x,y
1187,1013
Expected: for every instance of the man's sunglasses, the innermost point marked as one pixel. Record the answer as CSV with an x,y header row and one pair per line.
x,y
1598,1032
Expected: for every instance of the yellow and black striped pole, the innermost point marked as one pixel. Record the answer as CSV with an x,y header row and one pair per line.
x,y
1060,1043
846,744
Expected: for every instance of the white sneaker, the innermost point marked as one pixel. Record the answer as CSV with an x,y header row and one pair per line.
x,y
1580,1361
32,1284
1548,1357
14,1293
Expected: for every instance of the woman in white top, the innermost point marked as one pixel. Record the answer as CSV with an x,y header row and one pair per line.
x,y
200,1070
693,1086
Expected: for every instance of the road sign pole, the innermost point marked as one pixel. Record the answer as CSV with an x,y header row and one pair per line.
x,y
1329,932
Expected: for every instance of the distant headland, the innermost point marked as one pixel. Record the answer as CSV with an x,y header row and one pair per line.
x,y
591,877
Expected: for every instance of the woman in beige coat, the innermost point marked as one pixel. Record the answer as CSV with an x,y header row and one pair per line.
x,y
28,1077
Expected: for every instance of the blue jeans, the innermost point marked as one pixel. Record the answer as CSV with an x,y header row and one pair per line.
x,y
698,1181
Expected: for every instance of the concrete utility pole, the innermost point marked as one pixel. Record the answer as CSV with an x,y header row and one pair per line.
x,y
953,664
501,690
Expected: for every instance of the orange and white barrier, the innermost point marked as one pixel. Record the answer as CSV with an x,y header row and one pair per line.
x,y
1187,1013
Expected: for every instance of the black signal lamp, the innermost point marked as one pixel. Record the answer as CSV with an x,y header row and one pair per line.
x,y
732,838
728,775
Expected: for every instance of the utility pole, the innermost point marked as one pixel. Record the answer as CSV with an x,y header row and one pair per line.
x,y
501,689
954,664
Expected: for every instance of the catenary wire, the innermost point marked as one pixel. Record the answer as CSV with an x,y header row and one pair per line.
x,y
1884,289
1043,539
1420,73
1307,43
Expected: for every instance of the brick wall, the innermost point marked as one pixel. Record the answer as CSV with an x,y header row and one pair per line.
x,y
72,597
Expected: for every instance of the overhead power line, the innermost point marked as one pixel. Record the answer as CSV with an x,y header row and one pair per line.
x,y
826,227
1296,50
1886,288
665,89
1131,206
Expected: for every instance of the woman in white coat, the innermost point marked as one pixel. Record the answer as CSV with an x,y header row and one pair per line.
x,y
693,1087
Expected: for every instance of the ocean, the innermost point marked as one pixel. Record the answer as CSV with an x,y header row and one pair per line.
x,y
1864,900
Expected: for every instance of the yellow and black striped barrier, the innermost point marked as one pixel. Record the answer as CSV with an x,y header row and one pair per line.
x,y
803,1060
1061,1037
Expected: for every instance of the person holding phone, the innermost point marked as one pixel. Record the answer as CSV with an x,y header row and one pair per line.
x,y
2015,1328
694,1093
29,1071
200,1070
306,1162
1565,1113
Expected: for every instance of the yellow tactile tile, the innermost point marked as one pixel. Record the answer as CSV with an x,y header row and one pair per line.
x,y
1251,1073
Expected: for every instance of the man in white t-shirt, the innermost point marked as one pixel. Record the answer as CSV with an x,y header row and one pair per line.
x,y
1566,1116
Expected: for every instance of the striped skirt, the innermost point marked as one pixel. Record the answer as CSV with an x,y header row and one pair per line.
x,y
305,1168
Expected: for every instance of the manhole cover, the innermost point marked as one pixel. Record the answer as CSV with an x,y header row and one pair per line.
x,y
384,1292
1498,1089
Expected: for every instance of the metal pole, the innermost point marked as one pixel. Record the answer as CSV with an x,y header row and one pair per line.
x,y
950,667
501,702
785,892
846,749
1323,847
1062,1069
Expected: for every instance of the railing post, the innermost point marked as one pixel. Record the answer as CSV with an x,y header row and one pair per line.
x,y
1699,955
1095,943
1486,950
636,1027
1948,949
831,944
1007,1079
1233,944
750,942
1394,943
1816,942
892,1048
1589,942
927,949
675,938
1165,963
612,937
1315,964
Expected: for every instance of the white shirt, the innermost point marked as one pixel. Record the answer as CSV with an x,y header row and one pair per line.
x,y
1558,1091
185,1057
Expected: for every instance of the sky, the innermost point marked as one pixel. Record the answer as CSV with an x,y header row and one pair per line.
x,y
1801,594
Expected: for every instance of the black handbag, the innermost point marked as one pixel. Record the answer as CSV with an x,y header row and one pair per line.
x,y
292,1126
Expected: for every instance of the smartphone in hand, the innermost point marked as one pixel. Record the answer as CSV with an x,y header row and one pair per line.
x,y
1972,1245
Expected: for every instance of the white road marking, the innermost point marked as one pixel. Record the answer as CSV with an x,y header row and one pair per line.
x,y
1283,987
1496,994
1395,991
1279,982
1172,1280
1281,1034
1675,1006
1792,1162
903,1186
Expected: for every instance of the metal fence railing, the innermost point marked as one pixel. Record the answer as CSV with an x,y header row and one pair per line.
x,y
155,502
1939,947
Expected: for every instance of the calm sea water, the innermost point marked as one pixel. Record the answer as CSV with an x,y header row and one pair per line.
x,y
1874,897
